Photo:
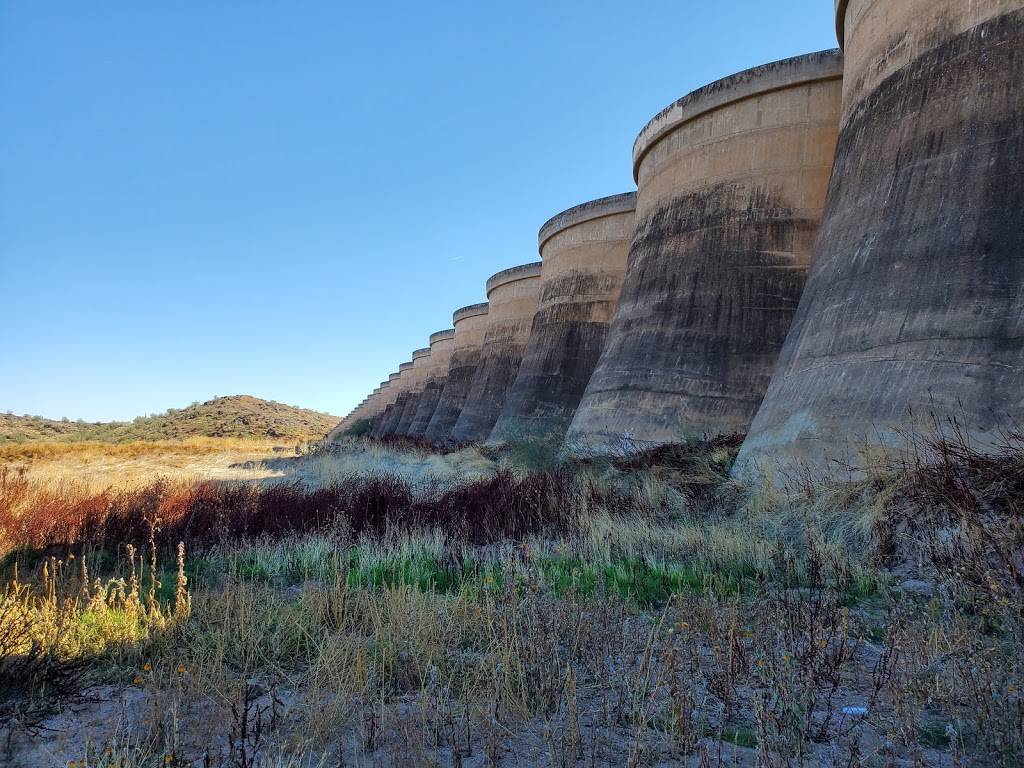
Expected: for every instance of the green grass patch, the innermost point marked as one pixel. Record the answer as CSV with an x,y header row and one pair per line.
x,y
741,736
632,579
934,734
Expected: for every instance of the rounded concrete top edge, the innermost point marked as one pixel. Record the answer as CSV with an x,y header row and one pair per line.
x,y
404,367
448,333
418,353
774,76
473,310
588,211
841,6
512,274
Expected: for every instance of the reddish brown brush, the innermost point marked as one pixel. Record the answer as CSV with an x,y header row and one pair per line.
x,y
204,513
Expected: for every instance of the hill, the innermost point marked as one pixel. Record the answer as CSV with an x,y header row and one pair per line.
x,y
234,416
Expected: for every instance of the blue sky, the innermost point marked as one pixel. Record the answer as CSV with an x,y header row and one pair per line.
x,y
286,199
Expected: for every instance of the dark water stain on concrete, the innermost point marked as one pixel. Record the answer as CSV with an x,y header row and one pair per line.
x,y
499,364
428,404
565,344
408,414
461,372
916,298
389,421
713,281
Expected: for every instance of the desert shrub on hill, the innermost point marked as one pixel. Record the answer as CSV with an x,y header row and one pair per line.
x,y
238,416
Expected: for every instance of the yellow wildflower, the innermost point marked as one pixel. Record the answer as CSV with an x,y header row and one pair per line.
x,y
181,669
147,667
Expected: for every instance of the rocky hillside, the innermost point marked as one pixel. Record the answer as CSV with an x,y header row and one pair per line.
x,y
235,416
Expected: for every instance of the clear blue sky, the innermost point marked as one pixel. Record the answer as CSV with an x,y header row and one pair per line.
x,y
285,199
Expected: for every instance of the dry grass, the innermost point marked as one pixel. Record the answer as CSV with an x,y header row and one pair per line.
x,y
621,613
195,446
98,466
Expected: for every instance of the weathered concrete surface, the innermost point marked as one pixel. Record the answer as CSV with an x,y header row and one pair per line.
x,y
731,185
382,420
356,415
470,325
363,409
512,295
441,346
388,394
417,377
388,397
915,303
373,404
389,421
383,400
394,418
350,420
583,255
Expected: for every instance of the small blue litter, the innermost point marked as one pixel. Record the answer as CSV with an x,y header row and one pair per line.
x,y
855,711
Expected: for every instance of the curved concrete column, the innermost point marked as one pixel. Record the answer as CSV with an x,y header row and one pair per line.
x,y
914,308
417,378
379,406
370,408
512,295
731,185
379,399
470,325
387,395
354,417
583,255
393,413
349,421
382,421
367,410
441,345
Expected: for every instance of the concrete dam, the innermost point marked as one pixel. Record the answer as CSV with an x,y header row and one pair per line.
x,y
414,388
470,324
388,421
583,261
388,397
822,252
915,301
731,184
441,344
512,297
